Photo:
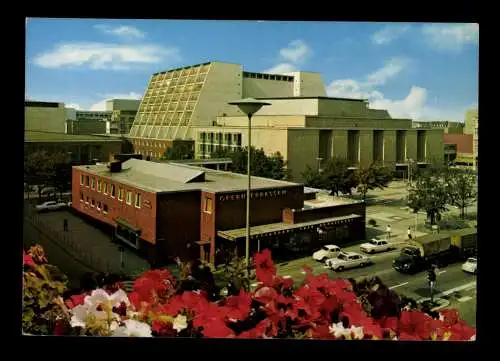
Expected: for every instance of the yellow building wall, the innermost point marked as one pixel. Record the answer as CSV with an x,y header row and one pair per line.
x,y
366,147
434,148
339,143
302,151
45,119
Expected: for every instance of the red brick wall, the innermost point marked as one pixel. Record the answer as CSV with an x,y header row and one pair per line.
x,y
231,212
464,142
179,224
207,220
143,217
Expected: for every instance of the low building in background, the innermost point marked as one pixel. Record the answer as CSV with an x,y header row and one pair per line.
x,y
82,149
449,127
170,210
87,122
123,112
44,116
459,149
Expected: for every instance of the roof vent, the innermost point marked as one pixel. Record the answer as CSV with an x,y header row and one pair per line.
x,y
115,167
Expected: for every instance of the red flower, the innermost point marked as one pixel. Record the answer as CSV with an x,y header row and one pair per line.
x,y
370,328
404,336
28,260
460,331
265,295
76,300
238,307
389,323
449,316
145,288
163,329
173,307
322,332
135,299
418,323
59,328
265,269
217,329
281,283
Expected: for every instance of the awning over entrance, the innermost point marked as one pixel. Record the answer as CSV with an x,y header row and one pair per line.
x,y
283,228
123,222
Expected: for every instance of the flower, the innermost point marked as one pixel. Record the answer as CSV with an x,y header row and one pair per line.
x,y
133,328
238,307
28,260
75,300
180,323
265,269
217,329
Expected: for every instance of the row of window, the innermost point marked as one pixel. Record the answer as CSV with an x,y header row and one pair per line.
x,y
92,203
108,188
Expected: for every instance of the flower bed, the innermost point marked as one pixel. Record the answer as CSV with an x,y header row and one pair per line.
x,y
160,305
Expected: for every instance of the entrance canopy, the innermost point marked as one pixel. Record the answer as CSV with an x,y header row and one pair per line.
x,y
123,222
275,229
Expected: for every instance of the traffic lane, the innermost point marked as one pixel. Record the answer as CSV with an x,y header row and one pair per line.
x,y
466,305
417,285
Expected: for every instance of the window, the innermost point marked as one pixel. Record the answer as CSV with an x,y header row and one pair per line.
x,y
81,196
105,188
207,207
99,185
129,197
98,205
120,194
87,201
113,190
92,183
105,208
81,179
87,180
93,203
137,200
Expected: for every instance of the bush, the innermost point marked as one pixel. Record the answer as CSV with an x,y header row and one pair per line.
x,y
372,222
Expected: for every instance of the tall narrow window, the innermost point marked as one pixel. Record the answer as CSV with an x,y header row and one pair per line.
x,y
129,197
113,190
87,180
105,208
138,200
92,183
105,188
81,196
99,185
81,179
207,207
120,194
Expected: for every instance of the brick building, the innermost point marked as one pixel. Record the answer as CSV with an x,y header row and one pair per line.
x,y
167,210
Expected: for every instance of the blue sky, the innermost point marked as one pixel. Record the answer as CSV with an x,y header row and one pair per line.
x,y
419,70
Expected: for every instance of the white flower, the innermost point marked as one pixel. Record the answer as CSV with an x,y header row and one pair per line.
x,y
337,330
79,316
357,332
133,328
100,296
180,323
473,338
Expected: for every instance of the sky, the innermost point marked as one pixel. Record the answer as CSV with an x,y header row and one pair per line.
x,y
419,70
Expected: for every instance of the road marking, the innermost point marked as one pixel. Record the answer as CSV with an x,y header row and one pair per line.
x,y
401,284
441,272
465,299
449,292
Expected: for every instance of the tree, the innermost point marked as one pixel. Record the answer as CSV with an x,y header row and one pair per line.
x,y
179,151
335,176
374,176
273,166
430,193
461,185
44,168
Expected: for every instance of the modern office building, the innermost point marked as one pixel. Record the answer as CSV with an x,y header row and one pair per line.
x,y
169,210
44,116
178,100
123,112
311,130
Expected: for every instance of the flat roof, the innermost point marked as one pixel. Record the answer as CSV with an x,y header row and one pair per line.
x,y
42,136
317,97
172,177
281,227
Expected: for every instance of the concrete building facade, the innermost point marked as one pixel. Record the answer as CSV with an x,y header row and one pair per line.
x,y
169,210
180,99
448,127
322,128
44,116
87,122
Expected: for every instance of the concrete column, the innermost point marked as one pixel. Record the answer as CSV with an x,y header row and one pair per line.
x,y
411,144
366,147
389,147
339,143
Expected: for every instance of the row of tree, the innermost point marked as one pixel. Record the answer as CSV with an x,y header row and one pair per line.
x,y
435,188
338,176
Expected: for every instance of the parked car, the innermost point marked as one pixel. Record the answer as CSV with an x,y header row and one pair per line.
x,y
347,260
376,245
328,251
470,266
51,206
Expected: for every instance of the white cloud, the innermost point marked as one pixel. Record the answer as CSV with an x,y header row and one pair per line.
x,y
74,106
388,34
106,56
451,37
101,105
281,68
391,68
296,52
414,105
124,31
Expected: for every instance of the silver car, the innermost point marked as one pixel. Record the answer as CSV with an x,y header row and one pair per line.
x,y
347,260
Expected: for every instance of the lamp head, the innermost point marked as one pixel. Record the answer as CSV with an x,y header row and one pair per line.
x,y
249,106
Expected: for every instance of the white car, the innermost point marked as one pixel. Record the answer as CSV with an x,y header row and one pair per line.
x,y
347,260
470,266
328,251
376,245
51,206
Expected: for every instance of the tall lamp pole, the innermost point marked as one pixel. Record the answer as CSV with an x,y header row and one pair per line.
x,y
248,106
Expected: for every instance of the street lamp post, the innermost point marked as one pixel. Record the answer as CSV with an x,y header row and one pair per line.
x,y
248,106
